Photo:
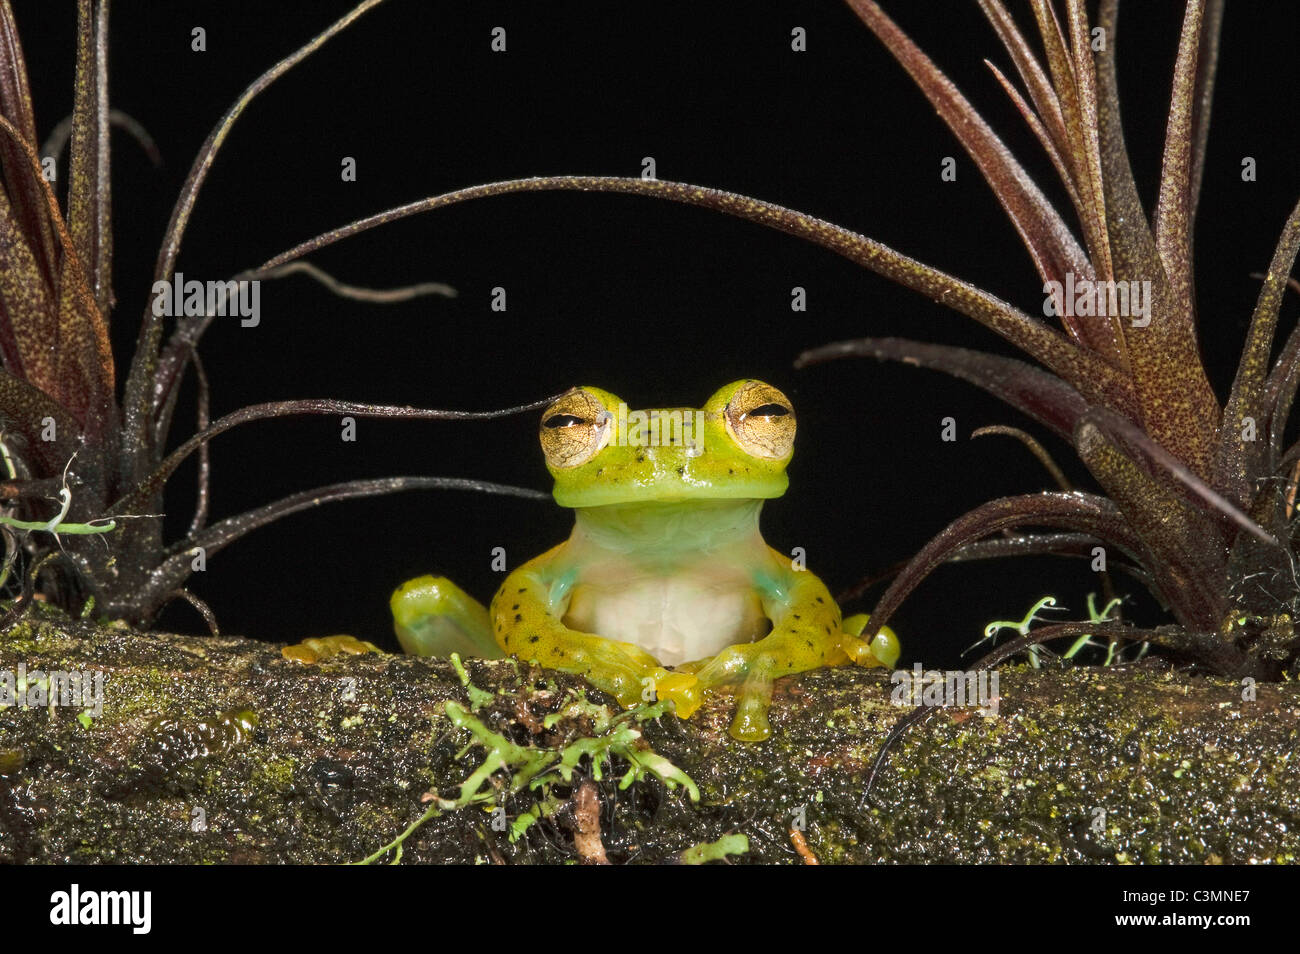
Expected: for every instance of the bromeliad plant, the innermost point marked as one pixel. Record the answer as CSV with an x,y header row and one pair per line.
x,y
1199,498
83,496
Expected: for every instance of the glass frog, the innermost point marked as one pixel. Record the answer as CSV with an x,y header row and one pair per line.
x,y
665,585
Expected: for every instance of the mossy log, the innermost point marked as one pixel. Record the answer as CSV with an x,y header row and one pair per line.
x,y
218,749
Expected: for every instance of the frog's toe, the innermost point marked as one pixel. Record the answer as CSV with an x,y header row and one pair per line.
x,y
750,723
682,688
323,647
729,665
757,668
883,649
623,684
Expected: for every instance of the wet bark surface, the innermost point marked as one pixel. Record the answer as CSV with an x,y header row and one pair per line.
x,y
221,750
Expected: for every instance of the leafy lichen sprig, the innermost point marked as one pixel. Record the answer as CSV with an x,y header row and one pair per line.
x,y
720,850
537,768
1022,626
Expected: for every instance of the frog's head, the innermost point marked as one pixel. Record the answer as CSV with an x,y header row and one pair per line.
x,y
736,446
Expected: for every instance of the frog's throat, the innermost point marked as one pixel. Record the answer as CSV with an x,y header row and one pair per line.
x,y
675,526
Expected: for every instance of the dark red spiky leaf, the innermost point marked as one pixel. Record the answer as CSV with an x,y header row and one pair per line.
x,y
1248,430
1179,409
1038,393
1091,375
20,185
1049,241
1185,549
89,181
1077,511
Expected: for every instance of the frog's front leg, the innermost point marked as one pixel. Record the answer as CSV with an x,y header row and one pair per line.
x,y
807,633
527,618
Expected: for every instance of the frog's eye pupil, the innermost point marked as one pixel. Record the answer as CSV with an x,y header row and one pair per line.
x,y
562,420
769,410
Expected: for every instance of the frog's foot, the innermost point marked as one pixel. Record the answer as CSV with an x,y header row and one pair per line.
x,y
624,670
882,650
683,688
432,616
323,647
756,665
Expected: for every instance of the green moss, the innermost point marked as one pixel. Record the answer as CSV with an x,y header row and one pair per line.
x,y
277,773
12,761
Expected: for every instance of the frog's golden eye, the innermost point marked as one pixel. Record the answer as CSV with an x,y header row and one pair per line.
x,y
760,419
575,429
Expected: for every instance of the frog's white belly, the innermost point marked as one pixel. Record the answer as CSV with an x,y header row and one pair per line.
x,y
676,619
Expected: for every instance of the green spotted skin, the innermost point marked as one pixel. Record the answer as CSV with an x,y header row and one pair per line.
x,y
526,625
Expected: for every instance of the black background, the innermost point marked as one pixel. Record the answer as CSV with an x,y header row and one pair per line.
x,y
657,302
